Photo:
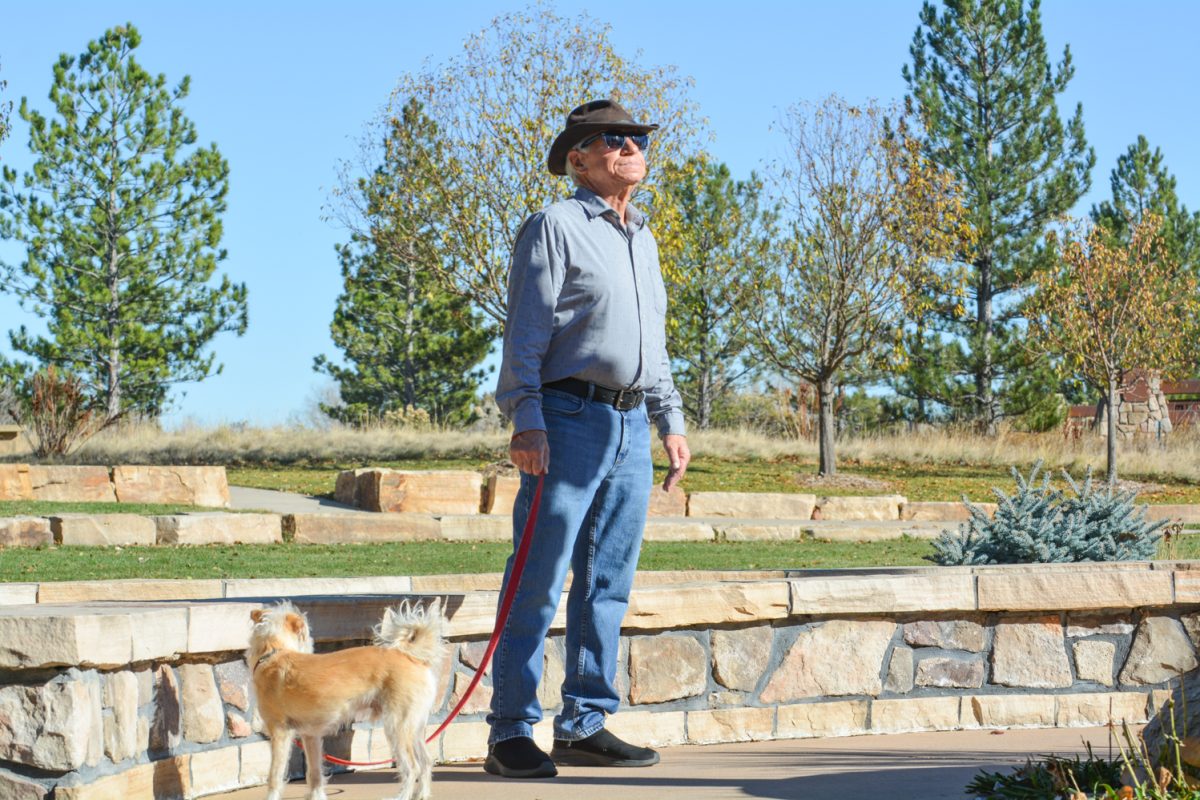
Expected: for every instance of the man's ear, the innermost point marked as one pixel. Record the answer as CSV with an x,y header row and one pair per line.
x,y
579,165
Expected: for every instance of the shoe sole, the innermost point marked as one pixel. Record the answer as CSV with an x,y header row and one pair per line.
x,y
582,758
493,766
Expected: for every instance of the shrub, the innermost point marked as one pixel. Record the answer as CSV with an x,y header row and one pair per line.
x,y
1040,524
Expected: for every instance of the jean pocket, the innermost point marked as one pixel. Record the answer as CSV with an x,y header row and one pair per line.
x,y
561,403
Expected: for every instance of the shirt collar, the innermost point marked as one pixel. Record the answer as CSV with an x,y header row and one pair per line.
x,y
594,207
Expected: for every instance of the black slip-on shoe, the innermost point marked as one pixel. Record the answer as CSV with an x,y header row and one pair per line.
x,y
601,749
519,758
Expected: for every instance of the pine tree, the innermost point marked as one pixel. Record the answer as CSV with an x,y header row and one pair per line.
x,y
1141,185
716,242
986,92
5,111
120,218
409,343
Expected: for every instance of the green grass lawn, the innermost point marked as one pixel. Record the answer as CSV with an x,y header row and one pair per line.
x,y
47,508
917,482
437,558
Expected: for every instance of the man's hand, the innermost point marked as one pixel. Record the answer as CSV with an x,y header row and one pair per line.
x,y
679,456
530,451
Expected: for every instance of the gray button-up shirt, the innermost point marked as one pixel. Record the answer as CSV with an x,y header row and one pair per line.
x,y
586,300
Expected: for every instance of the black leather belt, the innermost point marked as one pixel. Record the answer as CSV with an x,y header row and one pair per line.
x,y
620,399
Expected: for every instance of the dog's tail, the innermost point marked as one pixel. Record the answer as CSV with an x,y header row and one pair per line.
x,y
414,630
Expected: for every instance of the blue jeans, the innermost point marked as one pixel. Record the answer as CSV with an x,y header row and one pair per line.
x,y
591,519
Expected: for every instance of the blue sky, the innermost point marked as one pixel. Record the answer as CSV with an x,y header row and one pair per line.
x,y
286,89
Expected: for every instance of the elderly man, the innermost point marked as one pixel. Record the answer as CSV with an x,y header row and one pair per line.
x,y
584,373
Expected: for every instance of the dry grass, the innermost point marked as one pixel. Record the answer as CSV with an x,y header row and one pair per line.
x,y
1176,462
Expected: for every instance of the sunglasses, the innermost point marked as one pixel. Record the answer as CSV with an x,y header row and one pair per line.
x,y
616,141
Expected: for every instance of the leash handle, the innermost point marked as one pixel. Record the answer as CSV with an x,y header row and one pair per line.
x,y
510,593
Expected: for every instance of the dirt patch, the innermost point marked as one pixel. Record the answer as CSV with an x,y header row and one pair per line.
x,y
1137,486
857,482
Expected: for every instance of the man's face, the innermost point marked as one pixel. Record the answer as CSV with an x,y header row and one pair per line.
x,y
608,168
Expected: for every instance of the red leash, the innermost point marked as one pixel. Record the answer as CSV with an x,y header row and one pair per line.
x,y
506,602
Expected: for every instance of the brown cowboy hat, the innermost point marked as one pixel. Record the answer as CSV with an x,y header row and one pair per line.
x,y
597,116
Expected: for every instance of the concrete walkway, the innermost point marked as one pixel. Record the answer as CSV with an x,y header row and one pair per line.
x,y
928,766
243,498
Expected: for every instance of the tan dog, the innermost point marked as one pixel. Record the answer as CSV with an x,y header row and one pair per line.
x,y
315,695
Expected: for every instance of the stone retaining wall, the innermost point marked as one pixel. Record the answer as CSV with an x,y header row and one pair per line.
x,y
197,486
137,700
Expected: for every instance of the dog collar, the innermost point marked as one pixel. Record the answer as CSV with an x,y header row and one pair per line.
x,y
265,657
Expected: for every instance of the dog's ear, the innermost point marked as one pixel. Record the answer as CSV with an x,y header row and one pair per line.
x,y
296,624
256,615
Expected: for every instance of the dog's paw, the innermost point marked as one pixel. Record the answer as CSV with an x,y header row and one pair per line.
x,y
319,794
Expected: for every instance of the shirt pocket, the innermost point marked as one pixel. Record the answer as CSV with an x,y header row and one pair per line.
x,y
561,403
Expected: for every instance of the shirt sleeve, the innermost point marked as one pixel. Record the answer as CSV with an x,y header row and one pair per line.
x,y
664,403
534,281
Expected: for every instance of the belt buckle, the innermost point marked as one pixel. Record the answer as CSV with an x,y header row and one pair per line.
x,y
619,400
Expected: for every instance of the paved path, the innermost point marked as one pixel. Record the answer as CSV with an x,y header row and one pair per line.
x,y
924,766
245,498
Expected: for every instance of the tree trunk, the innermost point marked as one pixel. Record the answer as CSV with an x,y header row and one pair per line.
x,y
828,463
984,368
704,401
1114,403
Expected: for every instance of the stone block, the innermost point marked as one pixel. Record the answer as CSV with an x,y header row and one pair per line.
x,y
807,720
203,714
1187,586
120,725
18,594
219,627
649,729
345,528
668,504
70,484
15,787
480,700
870,530
129,591
900,671
915,714
25,532
739,657
189,486
216,771
679,606
219,528
48,726
764,531
1094,624
1052,589
1161,651
1176,512
421,492
751,505
839,657
476,528
881,507
166,718
1008,711
466,741
238,726
500,494
730,725
166,779
1094,660
296,587
666,667
1101,708
233,682
102,530
958,634
950,672
1030,652
941,511
883,594
15,483
255,763
678,529
345,490
46,636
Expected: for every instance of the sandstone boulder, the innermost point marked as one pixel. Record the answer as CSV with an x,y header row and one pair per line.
x,y
667,667
102,530
882,507
196,486
1161,651
668,504
15,482
1031,653
840,657
751,505
25,532
219,528
500,494
71,484
424,492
